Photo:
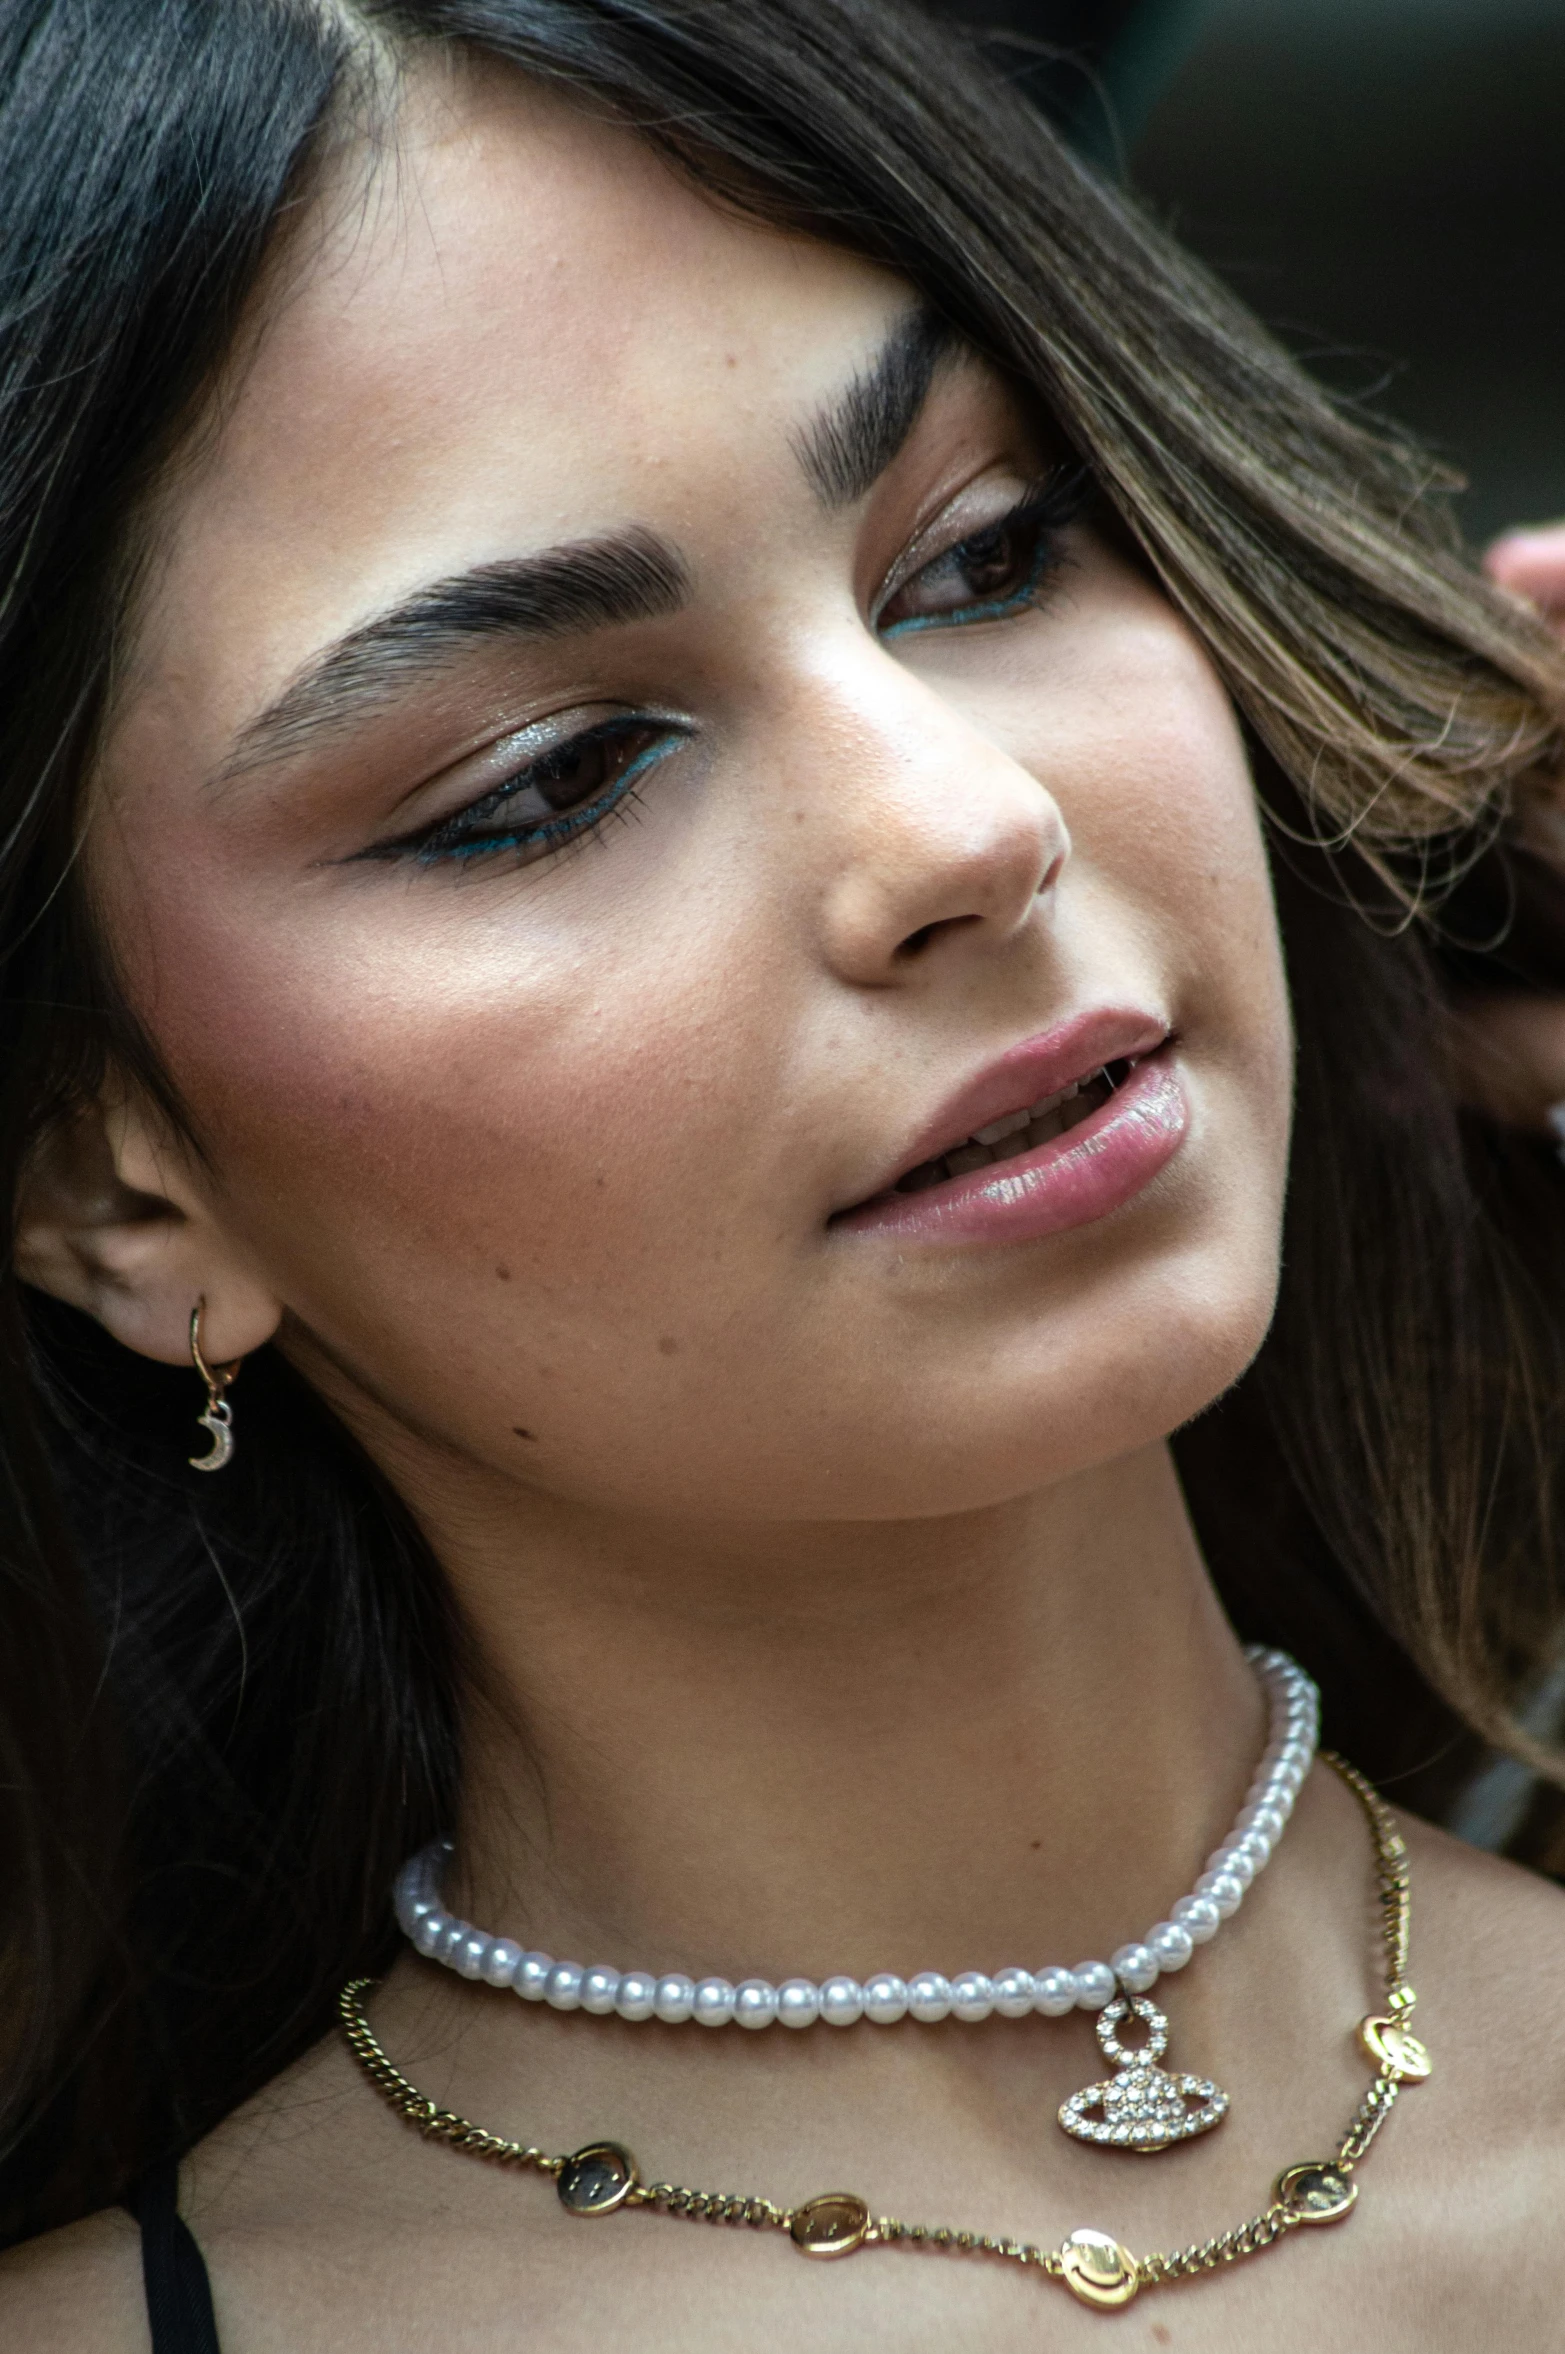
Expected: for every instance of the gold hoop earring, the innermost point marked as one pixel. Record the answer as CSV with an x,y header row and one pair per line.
x,y
219,1415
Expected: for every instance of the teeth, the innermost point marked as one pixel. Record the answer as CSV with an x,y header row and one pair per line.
x,y
1014,1122
999,1129
1018,1132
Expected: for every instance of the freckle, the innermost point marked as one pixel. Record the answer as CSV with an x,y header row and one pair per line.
x,y
1160,2336
668,1346
504,1274
600,1181
1035,1844
517,1432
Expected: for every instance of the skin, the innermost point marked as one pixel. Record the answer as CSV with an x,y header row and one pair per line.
x,y
839,1608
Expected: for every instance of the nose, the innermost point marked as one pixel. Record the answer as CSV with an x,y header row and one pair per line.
x,y
932,833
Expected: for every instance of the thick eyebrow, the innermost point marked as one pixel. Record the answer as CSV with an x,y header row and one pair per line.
x,y
846,448
585,584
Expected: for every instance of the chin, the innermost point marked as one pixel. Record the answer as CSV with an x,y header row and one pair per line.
x,y
1072,1392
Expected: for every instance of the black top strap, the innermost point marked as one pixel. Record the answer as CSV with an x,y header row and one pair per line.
x,y
179,2295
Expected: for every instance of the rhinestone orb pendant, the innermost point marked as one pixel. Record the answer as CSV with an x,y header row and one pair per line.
x,y
1141,2106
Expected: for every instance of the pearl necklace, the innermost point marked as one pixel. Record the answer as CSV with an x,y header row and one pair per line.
x,y
884,1998
604,2179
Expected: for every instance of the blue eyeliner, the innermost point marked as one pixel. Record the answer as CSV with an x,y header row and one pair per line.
x,y
960,615
1061,502
551,834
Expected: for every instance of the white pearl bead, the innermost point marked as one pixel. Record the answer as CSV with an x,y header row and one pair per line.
x,y
885,1998
1135,1966
1264,1819
1257,1848
755,2003
1225,1891
410,1907
1055,1991
799,2002
1199,1917
450,1939
1227,1859
929,1996
675,1999
1094,1985
842,2002
430,1931
972,1995
1013,1993
532,1976
637,1996
500,1969
562,1988
1171,1945
714,2003
472,1953
599,1989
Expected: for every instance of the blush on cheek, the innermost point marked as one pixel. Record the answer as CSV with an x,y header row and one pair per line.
x,y
448,1178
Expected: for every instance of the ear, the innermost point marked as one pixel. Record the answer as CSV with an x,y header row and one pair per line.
x,y
117,1217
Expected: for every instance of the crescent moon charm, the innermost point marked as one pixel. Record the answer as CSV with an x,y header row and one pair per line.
x,y
219,1420
219,1415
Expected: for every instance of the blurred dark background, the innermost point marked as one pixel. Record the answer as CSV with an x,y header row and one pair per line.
x,y
1383,180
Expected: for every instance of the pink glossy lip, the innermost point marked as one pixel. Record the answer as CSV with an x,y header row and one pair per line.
x,y
1078,1177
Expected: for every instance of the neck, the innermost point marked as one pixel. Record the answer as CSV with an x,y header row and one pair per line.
x,y
1009,1738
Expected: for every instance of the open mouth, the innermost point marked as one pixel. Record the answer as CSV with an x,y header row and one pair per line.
x,y
1022,1131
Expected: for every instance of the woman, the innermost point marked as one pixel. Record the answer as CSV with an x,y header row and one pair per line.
x,y
670,1458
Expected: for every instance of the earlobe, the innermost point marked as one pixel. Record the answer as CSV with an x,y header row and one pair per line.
x,y
114,1220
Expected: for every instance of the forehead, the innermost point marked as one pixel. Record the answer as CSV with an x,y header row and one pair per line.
x,y
520,328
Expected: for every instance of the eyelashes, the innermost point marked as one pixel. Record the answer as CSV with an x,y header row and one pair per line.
x,y
997,570
559,797
562,797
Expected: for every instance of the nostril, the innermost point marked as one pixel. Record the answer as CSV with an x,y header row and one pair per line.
x,y
916,942
1056,869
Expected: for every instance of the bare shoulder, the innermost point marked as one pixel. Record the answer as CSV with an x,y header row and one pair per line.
x,y
74,2289
1488,1960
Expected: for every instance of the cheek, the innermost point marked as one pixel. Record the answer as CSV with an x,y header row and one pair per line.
x,y
1170,857
1164,817
464,1158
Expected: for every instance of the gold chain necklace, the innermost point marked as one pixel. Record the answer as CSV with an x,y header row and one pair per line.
x,y
603,2177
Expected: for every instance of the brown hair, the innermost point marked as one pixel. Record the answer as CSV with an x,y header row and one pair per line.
x,y
226,1719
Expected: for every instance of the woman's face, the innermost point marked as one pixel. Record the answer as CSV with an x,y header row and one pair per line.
x,y
628,752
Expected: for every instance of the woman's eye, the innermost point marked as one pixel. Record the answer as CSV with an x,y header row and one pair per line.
x,y
991,572
556,797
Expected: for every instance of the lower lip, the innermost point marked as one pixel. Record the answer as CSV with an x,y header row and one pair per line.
x,y
1078,1177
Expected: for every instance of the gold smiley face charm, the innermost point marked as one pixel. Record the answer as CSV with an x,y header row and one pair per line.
x,y
1391,2045
1098,2270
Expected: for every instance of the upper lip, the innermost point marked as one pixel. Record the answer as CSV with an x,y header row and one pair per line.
x,y
1028,1074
